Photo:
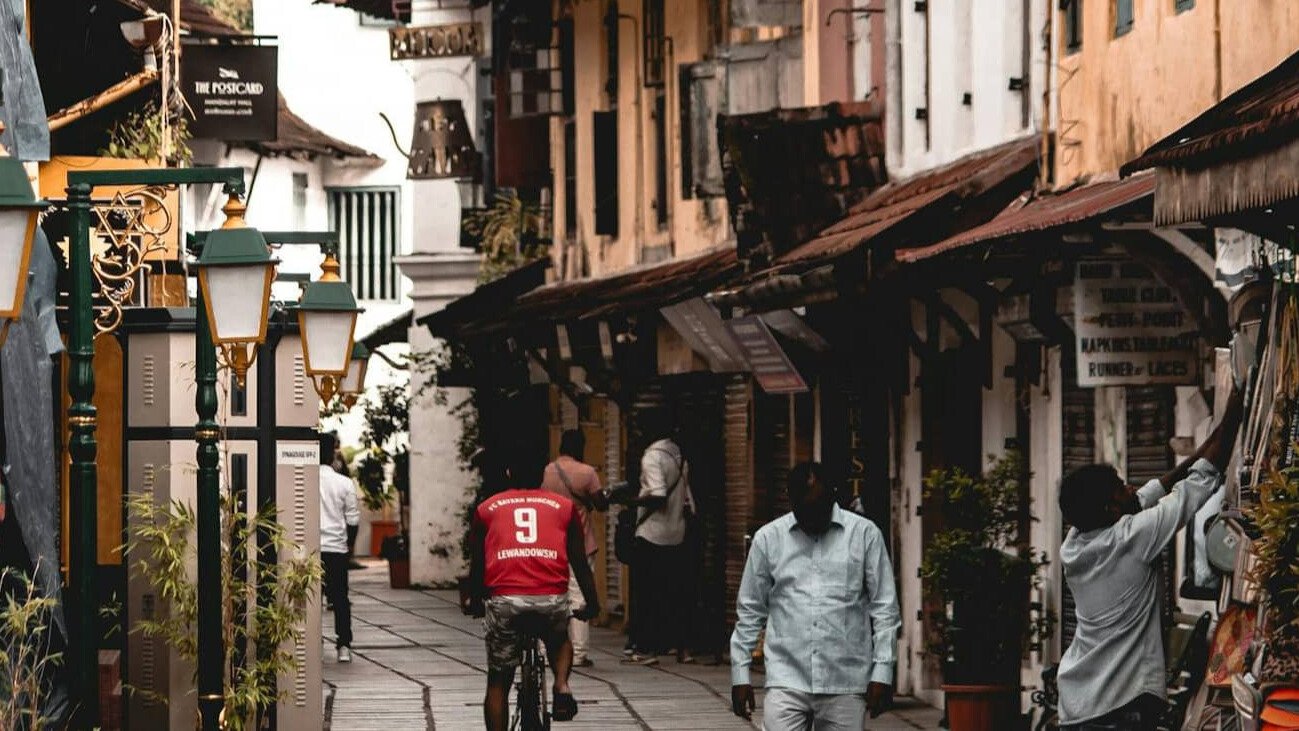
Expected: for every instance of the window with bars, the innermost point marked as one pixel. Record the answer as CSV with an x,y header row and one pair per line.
x,y
1072,25
661,159
1122,17
366,220
570,179
654,41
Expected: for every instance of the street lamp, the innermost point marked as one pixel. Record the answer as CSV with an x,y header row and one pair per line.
x,y
18,211
235,272
353,383
327,318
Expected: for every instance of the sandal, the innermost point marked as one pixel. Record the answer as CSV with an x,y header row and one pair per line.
x,y
565,707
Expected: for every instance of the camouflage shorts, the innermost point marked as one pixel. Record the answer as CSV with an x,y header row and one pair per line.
x,y
512,618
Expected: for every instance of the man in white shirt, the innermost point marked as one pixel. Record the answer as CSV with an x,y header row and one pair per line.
x,y
661,575
820,581
339,515
1112,676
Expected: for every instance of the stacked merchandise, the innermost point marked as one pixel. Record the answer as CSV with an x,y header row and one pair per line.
x,y
1253,543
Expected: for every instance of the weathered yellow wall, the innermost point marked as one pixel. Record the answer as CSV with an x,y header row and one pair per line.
x,y
694,225
1117,96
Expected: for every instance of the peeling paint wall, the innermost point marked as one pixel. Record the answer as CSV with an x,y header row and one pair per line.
x,y
693,224
954,77
1118,96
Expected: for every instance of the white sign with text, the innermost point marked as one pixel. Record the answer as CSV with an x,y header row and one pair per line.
x,y
1132,329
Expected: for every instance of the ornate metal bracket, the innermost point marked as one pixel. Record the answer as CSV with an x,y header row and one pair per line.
x,y
133,226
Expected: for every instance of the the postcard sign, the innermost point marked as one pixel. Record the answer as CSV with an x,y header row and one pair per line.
x,y
233,92
1132,329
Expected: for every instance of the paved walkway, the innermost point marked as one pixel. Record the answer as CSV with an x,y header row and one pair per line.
x,y
419,664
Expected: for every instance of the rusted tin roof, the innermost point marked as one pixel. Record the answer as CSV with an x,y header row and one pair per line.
x,y
791,172
898,202
1262,115
1045,212
489,302
648,287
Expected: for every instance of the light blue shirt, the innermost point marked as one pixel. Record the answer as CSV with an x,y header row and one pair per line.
x,y
1117,653
829,605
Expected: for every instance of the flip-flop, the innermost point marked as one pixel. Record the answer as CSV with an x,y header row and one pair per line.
x,y
565,707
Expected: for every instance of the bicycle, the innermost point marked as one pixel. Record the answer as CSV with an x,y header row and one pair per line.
x,y
532,709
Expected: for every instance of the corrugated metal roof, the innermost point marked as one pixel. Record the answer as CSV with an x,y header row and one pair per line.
x,y
1045,212
489,302
791,172
1261,115
647,287
897,202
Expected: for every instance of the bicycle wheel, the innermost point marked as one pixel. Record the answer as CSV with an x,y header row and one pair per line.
x,y
530,689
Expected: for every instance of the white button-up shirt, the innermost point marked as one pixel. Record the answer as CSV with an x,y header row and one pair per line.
x,y
1118,651
338,510
829,605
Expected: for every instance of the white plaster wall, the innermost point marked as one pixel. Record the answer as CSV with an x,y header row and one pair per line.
x,y
1045,460
972,46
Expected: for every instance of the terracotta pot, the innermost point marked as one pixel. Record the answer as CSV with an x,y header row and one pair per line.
x,y
379,530
399,573
982,707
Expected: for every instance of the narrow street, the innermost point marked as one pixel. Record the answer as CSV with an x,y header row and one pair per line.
x,y
418,664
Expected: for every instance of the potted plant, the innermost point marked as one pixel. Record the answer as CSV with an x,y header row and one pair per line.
x,y
396,549
979,572
376,496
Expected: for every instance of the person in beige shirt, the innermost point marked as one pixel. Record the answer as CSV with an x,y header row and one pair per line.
x,y
571,477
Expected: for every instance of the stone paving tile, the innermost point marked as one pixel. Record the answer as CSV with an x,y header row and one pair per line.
x,y
419,664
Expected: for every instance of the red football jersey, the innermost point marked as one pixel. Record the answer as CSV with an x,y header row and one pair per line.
x,y
526,549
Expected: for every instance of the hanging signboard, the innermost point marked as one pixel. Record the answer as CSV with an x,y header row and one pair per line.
x,y
1132,329
772,369
436,41
441,146
701,326
233,91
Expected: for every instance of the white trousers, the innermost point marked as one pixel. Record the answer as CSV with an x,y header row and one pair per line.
x,y
578,631
792,710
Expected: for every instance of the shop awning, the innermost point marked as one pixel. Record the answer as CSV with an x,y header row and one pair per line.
x,y
1241,154
641,288
1007,169
1044,213
488,304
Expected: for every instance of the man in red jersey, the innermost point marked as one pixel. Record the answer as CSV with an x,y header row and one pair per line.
x,y
524,541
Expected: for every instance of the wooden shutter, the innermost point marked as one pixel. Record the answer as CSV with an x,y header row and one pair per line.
x,y
605,125
739,483
703,97
1150,426
764,76
1079,449
766,13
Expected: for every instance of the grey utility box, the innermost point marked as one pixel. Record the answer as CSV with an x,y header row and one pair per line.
x,y
269,453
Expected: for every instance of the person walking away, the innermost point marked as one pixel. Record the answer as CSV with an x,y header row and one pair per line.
x,y
1112,676
665,504
524,542
339,518
571,477
820,580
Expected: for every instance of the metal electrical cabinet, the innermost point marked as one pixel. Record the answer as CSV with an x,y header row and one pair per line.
x,y
269,452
